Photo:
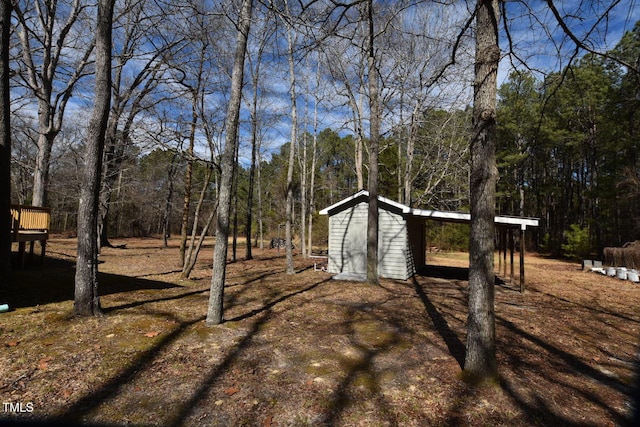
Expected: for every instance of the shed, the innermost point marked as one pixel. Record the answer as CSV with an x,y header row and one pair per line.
x,y
399,255
401,236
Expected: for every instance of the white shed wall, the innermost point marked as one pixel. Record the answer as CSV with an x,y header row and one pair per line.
x,y
346,246
348,243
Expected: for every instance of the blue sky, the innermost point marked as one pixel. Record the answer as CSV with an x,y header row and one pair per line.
x,y
544,46
536,39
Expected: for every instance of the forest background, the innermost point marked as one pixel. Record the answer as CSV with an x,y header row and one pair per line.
x,y
568,139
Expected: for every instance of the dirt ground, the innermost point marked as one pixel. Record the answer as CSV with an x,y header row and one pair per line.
x,y
306,350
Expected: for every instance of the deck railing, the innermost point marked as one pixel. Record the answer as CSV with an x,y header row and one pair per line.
x,y
30,224
30,218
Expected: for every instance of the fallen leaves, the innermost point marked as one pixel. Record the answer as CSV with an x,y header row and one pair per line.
x,y
245,381
43,364
231,391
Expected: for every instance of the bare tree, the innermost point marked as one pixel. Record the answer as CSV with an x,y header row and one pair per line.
x,y
213,173
5,144
256,69
135,28
314,160
303,164
172,171
49,32
374,144
193,249
480,362
194,92
439,175
416,48
291,40
87,300
214,311
343,61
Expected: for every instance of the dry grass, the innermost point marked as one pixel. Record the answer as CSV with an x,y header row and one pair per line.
x,y
307,350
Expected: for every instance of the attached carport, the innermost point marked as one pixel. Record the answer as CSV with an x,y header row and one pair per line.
x,y
506,228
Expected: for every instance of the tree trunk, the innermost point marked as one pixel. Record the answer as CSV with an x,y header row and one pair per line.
x,y
480,362
260,224
312,178
5,146
374,142
43,160
411,143
234,191
190,261
188,175
168,204
194,247
303,197
166,223
113,159
191,252
87,300
214,311
359,142
292,147
254,150
115,147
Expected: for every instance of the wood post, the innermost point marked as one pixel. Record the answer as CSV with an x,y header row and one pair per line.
x,y
504,252
511,250
522,259
499,250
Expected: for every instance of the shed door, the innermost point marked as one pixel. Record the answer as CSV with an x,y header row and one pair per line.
x,y
356,246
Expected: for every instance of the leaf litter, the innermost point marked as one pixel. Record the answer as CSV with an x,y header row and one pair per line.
x,y
309,350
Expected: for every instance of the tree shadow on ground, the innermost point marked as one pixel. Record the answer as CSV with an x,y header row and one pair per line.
x,y
520,377
54,282
454,343
209,378
445,272
522,381
361,378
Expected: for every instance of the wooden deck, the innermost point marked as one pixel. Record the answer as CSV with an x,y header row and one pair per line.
x,y
30,224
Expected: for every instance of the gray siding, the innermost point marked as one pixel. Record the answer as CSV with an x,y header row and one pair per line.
x,y
348,249
392,246
342,250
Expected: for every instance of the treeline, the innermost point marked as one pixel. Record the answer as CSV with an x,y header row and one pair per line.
x,y
568,143
568,154
568,151
149,189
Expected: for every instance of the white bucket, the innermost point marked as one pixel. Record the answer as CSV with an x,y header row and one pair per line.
x,y
621,273
611,271
633,276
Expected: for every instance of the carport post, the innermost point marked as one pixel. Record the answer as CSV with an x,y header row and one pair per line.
x,y
499,229
504,251
511,250
522,229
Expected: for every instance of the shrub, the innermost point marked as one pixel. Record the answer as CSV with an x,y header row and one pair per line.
x,y
578,244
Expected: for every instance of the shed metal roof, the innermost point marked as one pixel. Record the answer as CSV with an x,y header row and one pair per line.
x,y
445,216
